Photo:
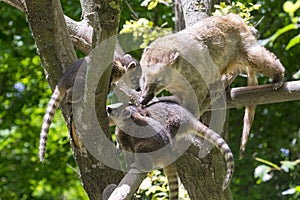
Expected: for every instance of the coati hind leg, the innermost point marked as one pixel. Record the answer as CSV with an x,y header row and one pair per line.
x,y
259,60
248,116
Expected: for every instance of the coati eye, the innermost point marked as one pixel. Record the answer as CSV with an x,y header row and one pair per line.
x,y
158,80
126,113
109,110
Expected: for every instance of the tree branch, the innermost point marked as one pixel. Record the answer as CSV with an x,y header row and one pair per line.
x,y
129,184
260,94
179,17
81,34
195,10
51,36
15,3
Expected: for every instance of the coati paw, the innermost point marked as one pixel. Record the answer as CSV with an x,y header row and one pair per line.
x,y
277,82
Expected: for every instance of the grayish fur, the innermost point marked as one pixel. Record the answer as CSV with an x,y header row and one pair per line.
x,y
173,120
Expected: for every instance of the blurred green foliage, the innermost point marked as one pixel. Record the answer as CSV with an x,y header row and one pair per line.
x,y
244,10
24,94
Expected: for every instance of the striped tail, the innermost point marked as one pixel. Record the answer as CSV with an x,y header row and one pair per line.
x,y
171,173
218,141
54,102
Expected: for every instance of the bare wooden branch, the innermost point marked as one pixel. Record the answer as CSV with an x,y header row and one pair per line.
x,y
261,94
129,184
81,34
51,36
195,10
87,7
15,3
179,18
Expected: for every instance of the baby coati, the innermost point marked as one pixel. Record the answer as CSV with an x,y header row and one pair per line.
x,y
64,89
159,124
188,63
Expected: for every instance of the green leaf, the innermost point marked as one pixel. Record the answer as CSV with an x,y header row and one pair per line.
x,y
294,41
283,30
152,5
290,7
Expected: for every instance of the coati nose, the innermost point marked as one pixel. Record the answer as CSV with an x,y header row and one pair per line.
x,y
144,99
109,110
114,108
147,94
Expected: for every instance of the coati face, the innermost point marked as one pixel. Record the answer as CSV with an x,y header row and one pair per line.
x,y
134,121
123,65
118,113
157,65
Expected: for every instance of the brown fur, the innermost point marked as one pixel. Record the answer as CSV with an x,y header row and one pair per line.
x,y
187,63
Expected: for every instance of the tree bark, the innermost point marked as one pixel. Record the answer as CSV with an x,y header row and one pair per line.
x,y
260,94
105,26
55,48
202,177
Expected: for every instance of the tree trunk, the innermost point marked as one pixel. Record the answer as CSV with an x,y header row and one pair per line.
x,y
47,22
202,176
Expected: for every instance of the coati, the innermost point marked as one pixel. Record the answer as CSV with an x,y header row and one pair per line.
x,y
189,62
64,89
146,139
164,122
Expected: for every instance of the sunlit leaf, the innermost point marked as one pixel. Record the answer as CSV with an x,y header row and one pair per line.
x,y
282,31
294,41
289,191
152,4
290,7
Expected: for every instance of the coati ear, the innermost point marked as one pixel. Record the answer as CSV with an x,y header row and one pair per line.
x,y
146,49
127,56
131,65
253,31
174,55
